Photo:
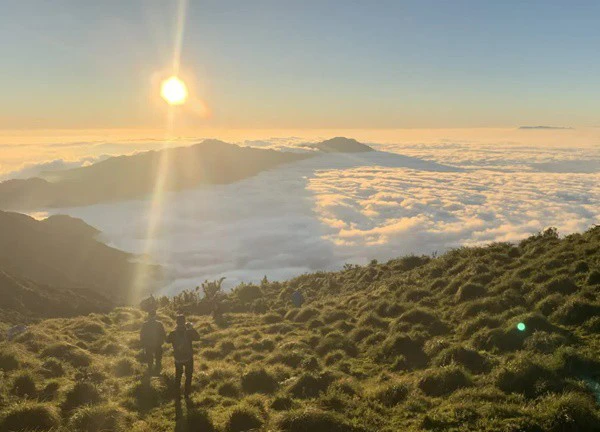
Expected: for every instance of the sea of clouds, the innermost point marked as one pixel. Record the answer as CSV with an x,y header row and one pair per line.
x,y
320,213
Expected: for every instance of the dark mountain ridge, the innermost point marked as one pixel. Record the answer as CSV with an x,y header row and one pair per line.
x,y
127,177
63,252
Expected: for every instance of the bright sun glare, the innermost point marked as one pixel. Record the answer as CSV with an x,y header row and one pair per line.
x,y
174,91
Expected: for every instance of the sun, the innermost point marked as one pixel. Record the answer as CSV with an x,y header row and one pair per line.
x,y
174,91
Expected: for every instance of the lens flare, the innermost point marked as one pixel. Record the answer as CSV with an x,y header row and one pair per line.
x,y
174,91
521,326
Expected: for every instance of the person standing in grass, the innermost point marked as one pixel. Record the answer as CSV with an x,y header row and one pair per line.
x,y
182,338
152,338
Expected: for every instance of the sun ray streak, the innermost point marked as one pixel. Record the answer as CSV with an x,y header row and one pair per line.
x,y
156,208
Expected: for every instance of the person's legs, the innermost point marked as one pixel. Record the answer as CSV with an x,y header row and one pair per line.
x,y
178,374
158,358
189,370
149,357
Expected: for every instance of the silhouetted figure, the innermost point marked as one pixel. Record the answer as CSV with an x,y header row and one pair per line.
x,y
297,298
181,338
152,338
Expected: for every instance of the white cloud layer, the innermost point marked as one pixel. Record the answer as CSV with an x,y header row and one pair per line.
x,y
320,213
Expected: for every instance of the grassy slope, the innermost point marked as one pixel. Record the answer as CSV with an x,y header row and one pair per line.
x,y
414,344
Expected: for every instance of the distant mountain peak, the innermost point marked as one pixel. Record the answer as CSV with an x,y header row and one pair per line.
x,y
341,145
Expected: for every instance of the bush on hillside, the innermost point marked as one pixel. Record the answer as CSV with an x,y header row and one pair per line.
x,y
24,385
72,354
470,291
569,412
30,416
49,392
576,312
594,278
82,393
468,358
99,418
336,341
247,293
444,380
198,420
124,367
561,285
545,342
390,395
310,385
9,358
243,419
527,377
316,421
258,381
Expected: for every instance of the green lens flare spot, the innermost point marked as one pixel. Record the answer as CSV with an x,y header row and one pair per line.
x,y
521,326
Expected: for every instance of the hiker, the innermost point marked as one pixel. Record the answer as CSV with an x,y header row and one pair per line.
x,y
152,337
181,338
297,299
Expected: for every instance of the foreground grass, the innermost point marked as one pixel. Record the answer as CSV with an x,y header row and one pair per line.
x,y
416,344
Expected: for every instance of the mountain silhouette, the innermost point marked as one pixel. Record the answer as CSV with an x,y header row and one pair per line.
x,y
63,252
340,145
134,176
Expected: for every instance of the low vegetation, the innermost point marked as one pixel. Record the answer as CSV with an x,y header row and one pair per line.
x,y
497,338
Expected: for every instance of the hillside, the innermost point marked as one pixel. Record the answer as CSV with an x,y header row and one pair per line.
x,y
127,177
496,338
62,252
22,300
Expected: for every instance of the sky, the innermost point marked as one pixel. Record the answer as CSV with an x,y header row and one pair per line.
x,y
69,64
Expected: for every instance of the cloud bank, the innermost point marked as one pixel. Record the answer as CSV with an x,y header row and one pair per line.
x,y
323,212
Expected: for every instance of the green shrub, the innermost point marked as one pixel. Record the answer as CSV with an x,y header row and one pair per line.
x,y
594,278
272,318
198,420
24,385
124,367
336,341
243,419
581,267
72,354
372,320
576,311
549,304
146,394
30,416
334,315
498,340
248,293
316,421
82,393
569,412
282,403
470,359
99,418
258,381
405,346
526,377
309,385
562,285
9,358
305,314
49,392
545,342
470,291
229,389
53,368
391,395
444,380
334,357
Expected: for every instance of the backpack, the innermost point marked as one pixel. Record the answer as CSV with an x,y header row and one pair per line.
x,y
182,347
152,334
